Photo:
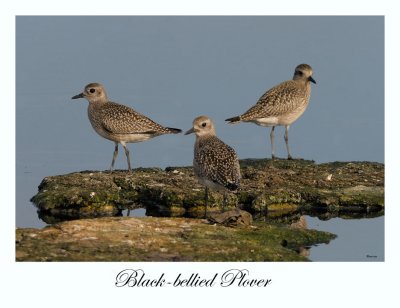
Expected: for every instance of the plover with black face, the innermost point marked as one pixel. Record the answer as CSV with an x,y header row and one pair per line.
x,y
215,164
119,123
281,105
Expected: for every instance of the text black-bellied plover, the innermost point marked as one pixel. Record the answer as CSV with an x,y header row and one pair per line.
x,y
215,164
119,123
281,105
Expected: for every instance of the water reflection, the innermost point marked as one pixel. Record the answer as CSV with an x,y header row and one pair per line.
x,y
350,244
321,213
56,216
294,219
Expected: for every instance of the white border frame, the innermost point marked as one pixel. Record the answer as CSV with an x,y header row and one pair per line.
x,y
63,284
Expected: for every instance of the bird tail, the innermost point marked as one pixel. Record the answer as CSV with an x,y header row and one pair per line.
x,y
233,120
232,186
174,130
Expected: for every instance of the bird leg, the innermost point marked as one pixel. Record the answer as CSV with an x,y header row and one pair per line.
x,y
127,156
224,201
114,156
287,141
205,202
272,136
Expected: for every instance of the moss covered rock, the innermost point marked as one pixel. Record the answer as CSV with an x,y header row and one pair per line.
x,y
164,239
267,185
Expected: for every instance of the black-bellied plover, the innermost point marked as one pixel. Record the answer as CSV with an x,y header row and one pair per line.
x,y
215,164
281,105
119,123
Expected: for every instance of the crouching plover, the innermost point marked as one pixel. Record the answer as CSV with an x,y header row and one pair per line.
x,y
119,123
215,164
281,105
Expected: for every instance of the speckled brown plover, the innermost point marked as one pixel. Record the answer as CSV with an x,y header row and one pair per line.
x,y
215,164
281,105
119,123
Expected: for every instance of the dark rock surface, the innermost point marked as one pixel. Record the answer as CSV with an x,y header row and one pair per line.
x,y
283,186
232,218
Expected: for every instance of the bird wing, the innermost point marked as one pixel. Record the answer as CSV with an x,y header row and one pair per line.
x,y
120,119
283,98
221,166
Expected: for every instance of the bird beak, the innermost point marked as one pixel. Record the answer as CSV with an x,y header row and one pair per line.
x,y
78,96
312,80
190,131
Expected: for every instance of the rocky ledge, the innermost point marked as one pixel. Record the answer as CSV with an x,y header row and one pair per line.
x,y
267,185
165,239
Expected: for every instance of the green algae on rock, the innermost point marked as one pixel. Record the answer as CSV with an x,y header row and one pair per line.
x,y
276,186
163,239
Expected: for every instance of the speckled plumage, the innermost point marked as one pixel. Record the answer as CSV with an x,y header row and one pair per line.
x,y
215,164
282,104
117,122
279,101
121,123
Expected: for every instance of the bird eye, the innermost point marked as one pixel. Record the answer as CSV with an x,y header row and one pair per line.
x,y
299,73
92,90
204,124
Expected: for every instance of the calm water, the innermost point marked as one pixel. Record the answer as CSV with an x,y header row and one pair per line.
x,y
364,236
